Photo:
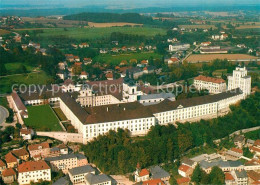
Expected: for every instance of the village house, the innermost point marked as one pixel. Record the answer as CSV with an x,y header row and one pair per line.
x,y
173,60
81,159
33,171
110,76
229,179
101,179
84,45
153,182
11,160
42,150
256,147
185,171
240,177
141,175
239,141
26,133
253,177
63,162
87,61
234,154
2,166
205,43
83,75
183,181
21,154
77,174
9,175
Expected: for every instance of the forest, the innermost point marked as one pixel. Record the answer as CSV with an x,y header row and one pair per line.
x,y
118,153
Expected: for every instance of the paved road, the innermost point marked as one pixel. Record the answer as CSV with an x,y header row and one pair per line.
x,y
3,114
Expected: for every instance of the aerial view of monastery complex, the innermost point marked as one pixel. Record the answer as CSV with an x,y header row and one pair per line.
x,y
129,93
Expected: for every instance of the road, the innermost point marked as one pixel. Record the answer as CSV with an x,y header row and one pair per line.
x,y
3,114
196,48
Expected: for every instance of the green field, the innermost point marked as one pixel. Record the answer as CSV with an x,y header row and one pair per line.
x,y
13,67
31,78
42,118
117,58
95,33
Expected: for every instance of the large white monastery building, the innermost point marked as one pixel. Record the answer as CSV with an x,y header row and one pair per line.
x,y
92,120
240,79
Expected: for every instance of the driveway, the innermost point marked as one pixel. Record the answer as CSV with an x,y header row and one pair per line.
x,y
3,114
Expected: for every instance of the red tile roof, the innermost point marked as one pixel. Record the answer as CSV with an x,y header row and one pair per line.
x,y
8,172
209,79
237,150
183,180
174,59
184,168
153,182
10,158
229,177
109,75
143,172
25,131
2,163
32,166
253,175
38,146
20,152
255,149
257,142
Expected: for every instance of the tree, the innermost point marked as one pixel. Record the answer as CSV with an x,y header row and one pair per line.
x,y
216,176
173,181
247,153
197,175
3,70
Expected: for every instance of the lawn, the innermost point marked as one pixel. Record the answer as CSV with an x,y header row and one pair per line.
x,y
31,78
117,58
96,33
13,67
60,114
42,118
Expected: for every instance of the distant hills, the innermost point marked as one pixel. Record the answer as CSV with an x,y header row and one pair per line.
x,y
110,17
29,11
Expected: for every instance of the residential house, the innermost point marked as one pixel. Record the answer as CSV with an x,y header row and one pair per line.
x,y
173,60
21,154
63,149
11,160
183,181
185,171
179,47
33,171
42,150
159,173
123,63
102,179
249,142
188,162
229,179
253,176
234,154
142,175
77,174
26,133
81,159
9,175
239,141
149,69
124,48
2,166
205,43
110,76
256,147
84,45
240,177
153,182
76,59
63,162
83,75
103,51
87,61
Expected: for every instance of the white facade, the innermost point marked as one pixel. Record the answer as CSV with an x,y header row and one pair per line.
x,y
240,79
34,176
179,47
211,86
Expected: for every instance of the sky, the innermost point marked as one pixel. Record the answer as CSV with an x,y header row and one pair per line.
x,y
123,3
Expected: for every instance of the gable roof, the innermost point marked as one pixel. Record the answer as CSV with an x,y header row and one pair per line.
x,y
158,173
96,179
8,172
29,166
168,105
143,172
81,170
2,163
184,168
209,79
20,152
183,180
153,182
38,146
10,158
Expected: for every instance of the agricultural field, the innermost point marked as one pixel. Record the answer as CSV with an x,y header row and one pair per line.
x,y
198,26
112,24
117,58
42,118
97,33
194,58
30,78
3,32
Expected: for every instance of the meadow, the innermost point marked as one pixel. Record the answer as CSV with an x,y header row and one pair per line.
x,y
13,67
42,118
30,78
117,58
97,33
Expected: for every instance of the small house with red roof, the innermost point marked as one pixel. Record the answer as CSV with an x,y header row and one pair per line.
x,y
9,175
83,75
26,133
11,160
141,174
183,181
229,179
110,76
42,149
173,60
2,166
185,170
153,182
